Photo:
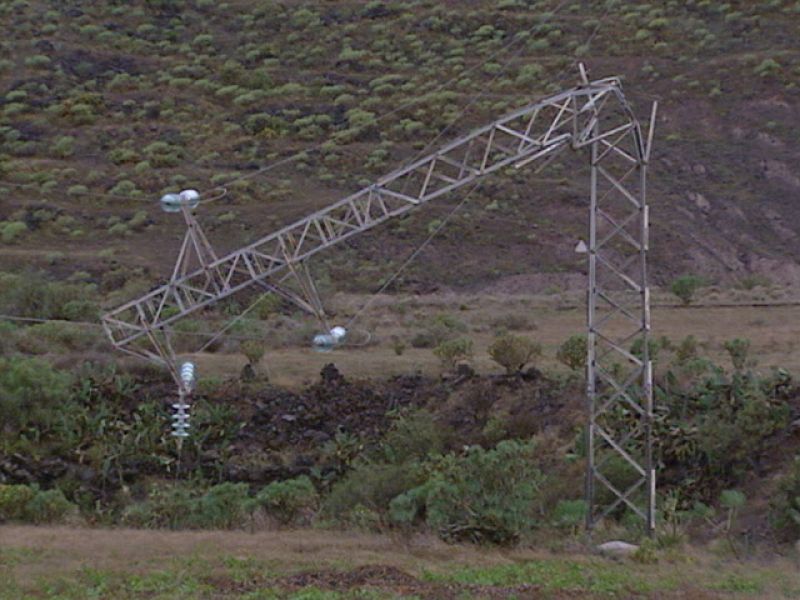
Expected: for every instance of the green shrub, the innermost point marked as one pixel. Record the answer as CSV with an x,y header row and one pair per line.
x,y
11,230
31,295
371,486
60,335
121,156
530,74
738,350
653,348
768,67
513,352
438,329
162,154
290,501
414,437
570,514
29,504
64,146
360,119
29,390
721,425
484,495
451,352
223,506
685,287
77,190
253,350
423,339
48,507
686,350
168,506
572,352
37,61
785,504
13,500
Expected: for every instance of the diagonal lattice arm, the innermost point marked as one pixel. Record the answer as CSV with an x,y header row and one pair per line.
x,y
528,135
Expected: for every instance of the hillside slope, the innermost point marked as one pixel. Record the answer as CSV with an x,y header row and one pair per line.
x,y
103,106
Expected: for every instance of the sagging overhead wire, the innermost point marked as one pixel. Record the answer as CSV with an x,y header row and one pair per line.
x,y
92,324
413,255
427,147
296,156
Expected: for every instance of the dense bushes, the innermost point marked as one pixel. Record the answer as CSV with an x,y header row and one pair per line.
x,y
714,428
30,392
30,504
290,501
31,295
222,506
786,504
479,496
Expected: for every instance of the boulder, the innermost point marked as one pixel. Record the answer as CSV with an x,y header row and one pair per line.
x,y
617,548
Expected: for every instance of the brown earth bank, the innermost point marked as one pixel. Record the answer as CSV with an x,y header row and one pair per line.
x,y
280,433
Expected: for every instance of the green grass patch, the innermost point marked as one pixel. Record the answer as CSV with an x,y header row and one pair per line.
x,y
597,577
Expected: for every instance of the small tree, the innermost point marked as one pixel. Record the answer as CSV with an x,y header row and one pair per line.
x,y
572,352
451,352
289,501
738,349
785,504
685,287
732,501
253,351
687,350
570,515
513,352
485,495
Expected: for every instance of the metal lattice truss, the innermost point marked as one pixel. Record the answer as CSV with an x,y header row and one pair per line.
x,y
594,115
620,473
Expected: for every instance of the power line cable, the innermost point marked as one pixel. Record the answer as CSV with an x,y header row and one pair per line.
x,y
516,38
92,324
450,215
413,255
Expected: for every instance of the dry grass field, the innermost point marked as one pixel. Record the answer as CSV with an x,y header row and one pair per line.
x,y
773,330
66,563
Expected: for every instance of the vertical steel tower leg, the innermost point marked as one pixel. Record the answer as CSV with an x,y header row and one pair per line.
x,y
620,473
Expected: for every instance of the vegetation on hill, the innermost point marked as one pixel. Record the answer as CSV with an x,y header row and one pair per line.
x,y
104,106
487,459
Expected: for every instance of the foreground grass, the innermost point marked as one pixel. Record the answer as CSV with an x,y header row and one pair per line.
x,y
65,563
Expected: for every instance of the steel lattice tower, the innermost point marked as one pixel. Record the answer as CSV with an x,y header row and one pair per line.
x,y
619,370
594,117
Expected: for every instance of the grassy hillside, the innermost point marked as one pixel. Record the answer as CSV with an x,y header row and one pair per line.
x,y
104,106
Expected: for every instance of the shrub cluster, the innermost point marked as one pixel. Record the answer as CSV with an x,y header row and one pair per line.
x,y
223,506
32,295
31,505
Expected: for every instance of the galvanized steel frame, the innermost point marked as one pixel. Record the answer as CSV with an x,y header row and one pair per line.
x,y
593,115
